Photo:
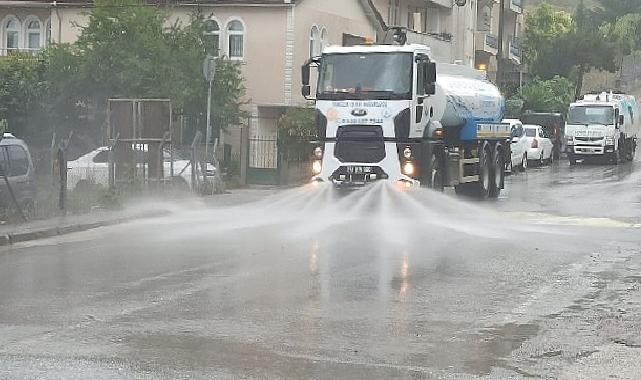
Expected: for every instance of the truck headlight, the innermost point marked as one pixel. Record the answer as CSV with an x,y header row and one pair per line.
x,y
408,168
317,167
609,141
407,153
318,152
569,140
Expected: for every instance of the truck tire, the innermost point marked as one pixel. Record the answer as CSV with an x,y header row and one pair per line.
x,y
629,150
437,179
572,159
431,173
613,158
497,175
485,173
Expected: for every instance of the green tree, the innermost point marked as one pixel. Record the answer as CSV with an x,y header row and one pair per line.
x,y
126,50
552,95
558,44
295,129
543,25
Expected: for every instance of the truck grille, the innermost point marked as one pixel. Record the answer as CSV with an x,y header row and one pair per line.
x,y
589,138
360,143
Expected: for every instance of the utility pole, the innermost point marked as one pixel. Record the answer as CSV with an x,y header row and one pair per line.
x,y
209,71
499,53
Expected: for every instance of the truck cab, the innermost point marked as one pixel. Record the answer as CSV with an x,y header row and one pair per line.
x,y
602,126
373,103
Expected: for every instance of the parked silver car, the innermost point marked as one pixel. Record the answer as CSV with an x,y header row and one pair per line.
x,y
17,165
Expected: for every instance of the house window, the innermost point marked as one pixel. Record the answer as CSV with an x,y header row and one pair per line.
x,y
212,31
324,39
33,38
236,39
394,9
486,19
12,34
48,32
433,23
314,42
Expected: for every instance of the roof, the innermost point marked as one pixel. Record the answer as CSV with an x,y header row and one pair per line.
x,y
376,49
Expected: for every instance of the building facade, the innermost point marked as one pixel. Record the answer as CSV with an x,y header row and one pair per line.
x,y
272,39
487,40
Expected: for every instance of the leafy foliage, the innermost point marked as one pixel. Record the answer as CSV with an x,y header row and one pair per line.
x,y
295,129
552,95
123,51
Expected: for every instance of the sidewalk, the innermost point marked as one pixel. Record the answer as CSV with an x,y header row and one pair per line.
x,y
40,229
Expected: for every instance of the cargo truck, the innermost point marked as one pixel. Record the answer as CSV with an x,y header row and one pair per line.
x,y
604,125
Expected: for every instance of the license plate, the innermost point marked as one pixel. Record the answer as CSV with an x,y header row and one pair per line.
x,y
359,169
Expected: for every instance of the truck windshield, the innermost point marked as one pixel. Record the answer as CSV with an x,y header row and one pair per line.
x,y
377,76
591,115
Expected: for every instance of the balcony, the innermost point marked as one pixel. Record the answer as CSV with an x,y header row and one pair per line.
x,y
6,52
515,6
515,51
486,42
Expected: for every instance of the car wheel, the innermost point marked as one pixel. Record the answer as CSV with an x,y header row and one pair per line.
x,y
523,163
541,161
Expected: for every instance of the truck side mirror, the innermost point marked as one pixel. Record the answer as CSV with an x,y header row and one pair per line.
x,y
305,73
621,120
306,90
429,74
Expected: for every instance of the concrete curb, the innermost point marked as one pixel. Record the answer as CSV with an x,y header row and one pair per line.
x,y
47,232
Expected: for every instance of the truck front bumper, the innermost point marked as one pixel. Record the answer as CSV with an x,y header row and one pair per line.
x,y
590,150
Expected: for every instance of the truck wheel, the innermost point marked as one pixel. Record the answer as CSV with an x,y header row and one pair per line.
x,y
572,159
497,174
436,173
629,150
485,173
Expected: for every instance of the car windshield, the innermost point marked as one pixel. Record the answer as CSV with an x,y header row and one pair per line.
x,y
530,132
591,115
375,76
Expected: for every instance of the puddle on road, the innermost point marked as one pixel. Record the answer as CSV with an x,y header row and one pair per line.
x,y
498,343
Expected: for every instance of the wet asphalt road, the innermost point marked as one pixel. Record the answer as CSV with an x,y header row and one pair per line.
x,y
308,284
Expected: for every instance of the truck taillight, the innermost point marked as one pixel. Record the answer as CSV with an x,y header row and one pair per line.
x,y
535,143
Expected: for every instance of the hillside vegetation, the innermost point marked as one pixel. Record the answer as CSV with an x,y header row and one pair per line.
x,y
569,5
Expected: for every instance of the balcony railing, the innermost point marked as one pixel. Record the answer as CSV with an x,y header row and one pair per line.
x,y
492,41
516,5
6,52
486,42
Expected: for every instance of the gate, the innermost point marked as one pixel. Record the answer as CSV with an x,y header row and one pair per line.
x,y
263,161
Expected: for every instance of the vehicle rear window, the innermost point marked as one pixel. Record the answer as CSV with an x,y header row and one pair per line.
x,y
18,160
529,132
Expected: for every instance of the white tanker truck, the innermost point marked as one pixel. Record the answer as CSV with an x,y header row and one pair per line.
x,y
384,113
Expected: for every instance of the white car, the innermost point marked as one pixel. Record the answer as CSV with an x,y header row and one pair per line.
x,y
519,146
93,168
540,147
